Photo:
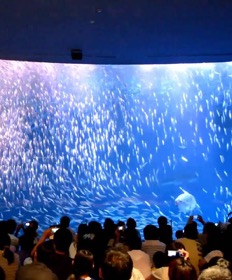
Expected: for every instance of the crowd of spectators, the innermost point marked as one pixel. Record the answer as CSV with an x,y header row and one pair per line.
x,y
115,251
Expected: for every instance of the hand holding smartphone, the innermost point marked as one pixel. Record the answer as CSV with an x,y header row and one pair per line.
x,y
173,253
54,229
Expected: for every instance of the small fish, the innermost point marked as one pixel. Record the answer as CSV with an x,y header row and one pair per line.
x,y
184,159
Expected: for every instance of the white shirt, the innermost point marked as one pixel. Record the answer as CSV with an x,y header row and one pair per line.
x,y
136,274
160,273
152,246
141,261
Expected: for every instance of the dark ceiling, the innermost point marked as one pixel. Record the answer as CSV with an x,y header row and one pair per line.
x,y
116,32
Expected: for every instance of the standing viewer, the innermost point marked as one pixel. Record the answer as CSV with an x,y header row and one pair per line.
x,y
152,243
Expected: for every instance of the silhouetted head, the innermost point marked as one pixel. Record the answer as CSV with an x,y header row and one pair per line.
x,y
109,227
162,221
83,263
151,232
33,225
190,231
160,259
11,226
82,229
131,223
64,222
209,226
179,233
94,227
109,223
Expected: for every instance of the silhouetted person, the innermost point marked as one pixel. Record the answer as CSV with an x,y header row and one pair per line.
x,y
109,235
165,230
83,265
152,243
56,257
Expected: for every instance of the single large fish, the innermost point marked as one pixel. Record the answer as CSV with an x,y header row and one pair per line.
x,y
186,202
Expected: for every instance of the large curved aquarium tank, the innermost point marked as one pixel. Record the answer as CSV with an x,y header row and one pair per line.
x,y
115,141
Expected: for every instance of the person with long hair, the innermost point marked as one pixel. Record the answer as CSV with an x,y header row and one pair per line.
x,y
180,268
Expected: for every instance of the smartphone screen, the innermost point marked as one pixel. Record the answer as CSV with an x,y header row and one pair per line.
x,y
54,229
172,253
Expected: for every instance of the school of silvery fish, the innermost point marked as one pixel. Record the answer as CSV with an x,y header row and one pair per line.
x,y
115,141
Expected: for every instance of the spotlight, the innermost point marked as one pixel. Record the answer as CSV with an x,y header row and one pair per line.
x,y
76,54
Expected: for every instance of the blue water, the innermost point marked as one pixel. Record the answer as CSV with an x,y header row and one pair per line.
x,y
115,141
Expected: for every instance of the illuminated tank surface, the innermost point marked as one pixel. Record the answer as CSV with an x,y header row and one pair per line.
x,y
115,141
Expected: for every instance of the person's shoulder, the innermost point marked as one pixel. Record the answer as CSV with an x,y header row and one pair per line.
x,y
136,274
158,242
160,273
153,243
148,242
140,253
181,239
